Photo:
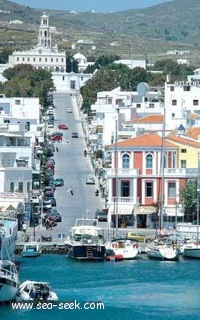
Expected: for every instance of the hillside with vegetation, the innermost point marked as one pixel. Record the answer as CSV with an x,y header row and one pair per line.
x,y
139,33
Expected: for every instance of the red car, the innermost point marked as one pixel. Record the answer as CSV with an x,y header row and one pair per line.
x,y
63,127
56,138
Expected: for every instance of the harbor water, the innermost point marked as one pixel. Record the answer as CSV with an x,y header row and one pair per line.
x,y
136,289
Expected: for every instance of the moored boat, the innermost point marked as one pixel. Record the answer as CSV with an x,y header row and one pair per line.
x,y
86,240
35,291
31,249
9,281
191,250
127,248
164,252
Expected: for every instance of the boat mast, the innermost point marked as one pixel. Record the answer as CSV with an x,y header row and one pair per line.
x,y
198,198
116,174
162,169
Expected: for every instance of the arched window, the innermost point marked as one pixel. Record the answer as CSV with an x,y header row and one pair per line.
x,y
125,161
149,161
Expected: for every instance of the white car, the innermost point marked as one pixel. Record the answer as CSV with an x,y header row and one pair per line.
x,y
69,110
90,179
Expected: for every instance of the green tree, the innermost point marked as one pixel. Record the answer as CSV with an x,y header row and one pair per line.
x,y
26,81
103,80
189,196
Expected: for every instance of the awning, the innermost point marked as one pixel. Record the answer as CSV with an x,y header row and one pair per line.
x,y
145,210
122,209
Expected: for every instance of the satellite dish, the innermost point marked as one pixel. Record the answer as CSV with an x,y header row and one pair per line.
x,y
142,89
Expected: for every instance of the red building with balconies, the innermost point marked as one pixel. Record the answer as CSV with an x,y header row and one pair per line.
x,y
143,182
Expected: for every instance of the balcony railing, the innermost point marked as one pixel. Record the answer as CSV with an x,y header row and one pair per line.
x,y
122,172
122,200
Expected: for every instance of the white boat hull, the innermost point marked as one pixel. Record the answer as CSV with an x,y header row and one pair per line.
x,y
35,291
127,249
192,251
163,253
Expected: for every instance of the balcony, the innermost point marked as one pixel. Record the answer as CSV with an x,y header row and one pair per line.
x,y
179,172
133,173
122,200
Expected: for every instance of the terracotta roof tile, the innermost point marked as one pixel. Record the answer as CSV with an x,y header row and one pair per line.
x,y
183,140
156,118
145,140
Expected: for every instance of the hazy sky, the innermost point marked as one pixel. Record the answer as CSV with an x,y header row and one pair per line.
x,y
88,5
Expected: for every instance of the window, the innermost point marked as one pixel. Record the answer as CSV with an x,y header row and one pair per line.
x,y
151,105
125,188
172,88
12,187
186,88
149,161
17,102
195,102
149,189
183,164
138,105
183,150
20,187
174,102
28,186
171,189
173,115
125,161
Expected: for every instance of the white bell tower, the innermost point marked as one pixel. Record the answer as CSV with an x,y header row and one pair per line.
x,y
44,37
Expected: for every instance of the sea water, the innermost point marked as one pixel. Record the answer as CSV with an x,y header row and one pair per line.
x,y
137,289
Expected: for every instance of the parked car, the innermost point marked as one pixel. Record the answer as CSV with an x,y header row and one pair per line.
x,y
56,133
46,205
63,126
49,189
90,179
101,215
56,138
138,236
59,182
74,134
53,213
69,110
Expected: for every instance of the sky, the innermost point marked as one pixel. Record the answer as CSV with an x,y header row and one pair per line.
x,y
88,5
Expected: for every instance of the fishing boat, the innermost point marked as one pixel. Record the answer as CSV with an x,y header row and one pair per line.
x,y
8,237
86,240
31,249
126,248
35,291
9,281
167,252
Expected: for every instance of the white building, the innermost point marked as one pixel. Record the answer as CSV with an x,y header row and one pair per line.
x,y
44,55
131,64
82,61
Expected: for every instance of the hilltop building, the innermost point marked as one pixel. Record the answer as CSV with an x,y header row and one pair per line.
x,y
46,55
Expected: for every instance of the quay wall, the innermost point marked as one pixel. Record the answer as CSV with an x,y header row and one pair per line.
x,y
47,247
